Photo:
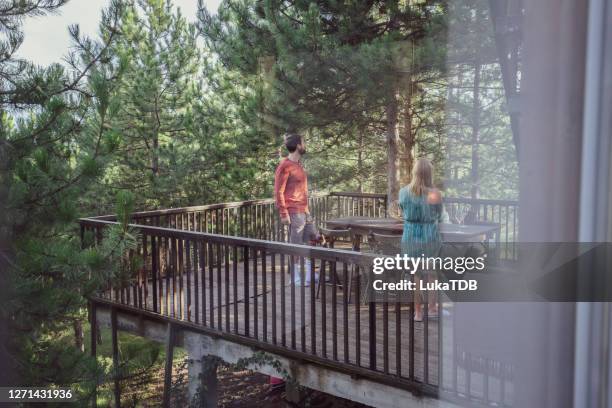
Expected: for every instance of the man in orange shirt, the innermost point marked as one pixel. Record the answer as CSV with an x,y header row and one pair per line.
x,y
291,196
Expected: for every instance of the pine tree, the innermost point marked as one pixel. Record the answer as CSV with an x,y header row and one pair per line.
x,y
159,94
339,68
54,139
481,155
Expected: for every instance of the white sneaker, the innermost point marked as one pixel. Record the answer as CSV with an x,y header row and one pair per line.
x,y
297,278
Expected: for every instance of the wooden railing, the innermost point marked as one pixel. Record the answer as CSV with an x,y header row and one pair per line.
x,y
480,211
226,270
245,290
257,218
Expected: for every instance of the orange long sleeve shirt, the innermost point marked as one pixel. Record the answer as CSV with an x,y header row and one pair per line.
x,y
290,188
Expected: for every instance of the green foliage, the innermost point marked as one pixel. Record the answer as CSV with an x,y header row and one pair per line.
x,y
480,157
141,362
125,206
331,70
108,256
53,121
328,69
154,138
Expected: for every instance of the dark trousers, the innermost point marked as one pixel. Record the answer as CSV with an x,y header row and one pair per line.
x,y
300,231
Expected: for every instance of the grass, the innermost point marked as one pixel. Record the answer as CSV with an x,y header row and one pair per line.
x,y
142,362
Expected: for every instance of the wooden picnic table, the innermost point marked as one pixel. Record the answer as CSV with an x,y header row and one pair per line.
x,y
362,226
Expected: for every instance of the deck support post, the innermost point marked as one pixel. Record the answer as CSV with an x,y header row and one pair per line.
x,y
203,382
294,393
115,345
170,336
93,322
202,371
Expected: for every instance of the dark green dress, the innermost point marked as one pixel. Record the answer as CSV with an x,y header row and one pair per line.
x,y
421,231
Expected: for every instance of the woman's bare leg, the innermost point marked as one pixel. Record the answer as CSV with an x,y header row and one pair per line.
x,y
418,299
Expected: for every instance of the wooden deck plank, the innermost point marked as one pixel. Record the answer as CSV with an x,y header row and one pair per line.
x,y
186,289
226,302
232,300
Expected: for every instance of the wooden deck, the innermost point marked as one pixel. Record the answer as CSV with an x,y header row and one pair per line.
x,y
270,309
190,276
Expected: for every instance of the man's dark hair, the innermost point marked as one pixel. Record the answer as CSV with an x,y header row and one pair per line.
x,y
292,140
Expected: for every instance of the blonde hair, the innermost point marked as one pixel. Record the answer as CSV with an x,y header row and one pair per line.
x,y
422,177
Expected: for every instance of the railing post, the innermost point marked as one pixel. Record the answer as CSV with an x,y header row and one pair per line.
x,y
372,333
82,230
386,204
169,362
115,347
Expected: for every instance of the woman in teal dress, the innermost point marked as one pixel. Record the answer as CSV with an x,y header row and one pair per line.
x,y
420,204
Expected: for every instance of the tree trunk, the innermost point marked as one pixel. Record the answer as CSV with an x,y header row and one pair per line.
x,y
475,175
8,375
155,155
360,162
393,142
79,343
407,136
